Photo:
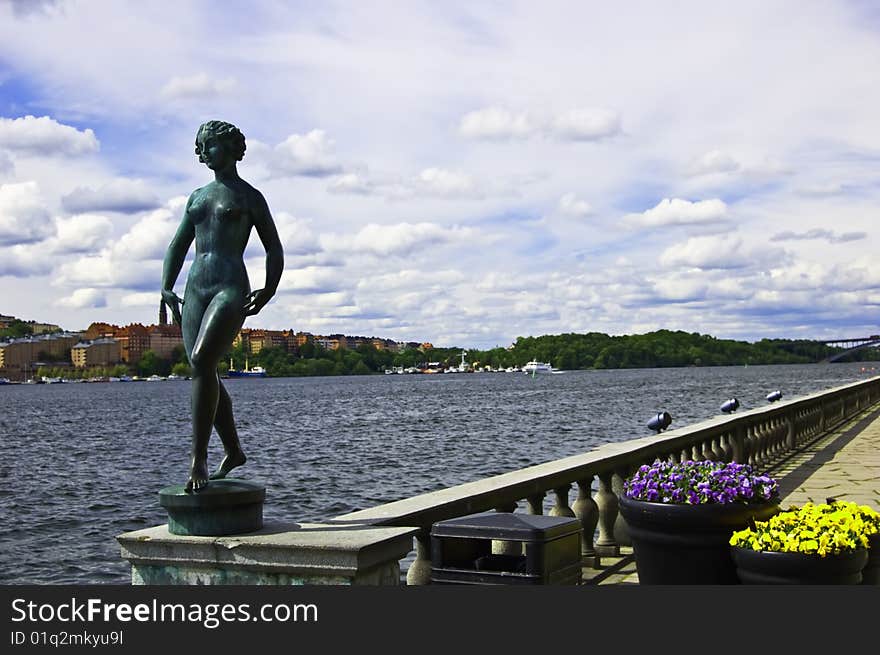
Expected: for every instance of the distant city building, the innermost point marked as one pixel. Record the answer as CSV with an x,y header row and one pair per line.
x,y
6,321
43,328
19,356
100,331
100,352
134,341
254,340
164,339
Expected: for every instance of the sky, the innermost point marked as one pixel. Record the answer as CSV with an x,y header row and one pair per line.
x,y
463,173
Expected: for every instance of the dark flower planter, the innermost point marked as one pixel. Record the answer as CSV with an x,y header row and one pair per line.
x,y
762,567
687,544
871,572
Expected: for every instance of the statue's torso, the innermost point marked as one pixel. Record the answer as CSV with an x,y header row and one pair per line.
x,y
222,218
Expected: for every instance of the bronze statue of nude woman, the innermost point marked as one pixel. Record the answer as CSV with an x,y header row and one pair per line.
x,y
217,298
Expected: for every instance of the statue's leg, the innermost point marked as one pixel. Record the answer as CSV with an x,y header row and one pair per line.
x,y
221,321
224,423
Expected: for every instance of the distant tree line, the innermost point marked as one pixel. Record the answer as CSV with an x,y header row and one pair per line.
x,y
660,349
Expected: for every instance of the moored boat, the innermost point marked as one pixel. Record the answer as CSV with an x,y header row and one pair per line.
x,y
533,367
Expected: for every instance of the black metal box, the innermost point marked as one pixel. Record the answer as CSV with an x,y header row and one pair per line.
x,y
461,550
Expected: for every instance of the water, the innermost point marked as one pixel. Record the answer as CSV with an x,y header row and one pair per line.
x,y
81,463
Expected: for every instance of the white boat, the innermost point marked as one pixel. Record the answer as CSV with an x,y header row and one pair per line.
x,y
534,367
155,378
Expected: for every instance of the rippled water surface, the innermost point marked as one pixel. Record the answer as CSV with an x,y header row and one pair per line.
x,y
81,463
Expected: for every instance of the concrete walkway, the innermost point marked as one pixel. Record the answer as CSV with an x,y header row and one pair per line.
x,y
843,464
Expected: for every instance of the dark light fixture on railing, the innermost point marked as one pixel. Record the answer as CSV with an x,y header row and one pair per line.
x,y
773,396
660,422
729,406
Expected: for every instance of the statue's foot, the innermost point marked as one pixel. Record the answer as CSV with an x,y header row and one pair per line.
x,y
198,477
229,462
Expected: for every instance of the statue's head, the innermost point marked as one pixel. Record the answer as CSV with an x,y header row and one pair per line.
x,y
229,135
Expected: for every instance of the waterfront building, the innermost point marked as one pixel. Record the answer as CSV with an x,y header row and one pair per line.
x,y
6,321
100,330
44,328
134,341
100,352
254,340
18,357
164,339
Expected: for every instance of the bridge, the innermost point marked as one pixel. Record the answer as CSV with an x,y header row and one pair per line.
x,y
851,346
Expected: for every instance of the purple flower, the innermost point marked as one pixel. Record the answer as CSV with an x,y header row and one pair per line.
x,y
699,483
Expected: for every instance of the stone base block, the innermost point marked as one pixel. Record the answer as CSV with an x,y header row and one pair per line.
x,y
224,507
277,554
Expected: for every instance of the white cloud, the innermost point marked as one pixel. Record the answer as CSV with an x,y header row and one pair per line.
x,y
142,299
310,155
571,205
443,182
719,252
394,240
495,123
150,236
23,261
120,195
312,279
680,212
350,183
7,166
296,234
45,137
23,216
200,85
81,233
585,124
715,161
818,233
84,298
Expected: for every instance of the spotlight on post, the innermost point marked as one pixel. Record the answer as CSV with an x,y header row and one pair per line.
x,y
729,406
773,396
660,422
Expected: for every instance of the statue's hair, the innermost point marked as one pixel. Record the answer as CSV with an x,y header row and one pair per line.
x,y
228,133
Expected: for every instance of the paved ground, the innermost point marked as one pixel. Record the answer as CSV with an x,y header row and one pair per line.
x,y
844,464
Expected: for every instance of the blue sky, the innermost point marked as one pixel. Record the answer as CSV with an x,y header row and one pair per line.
x,y
463,173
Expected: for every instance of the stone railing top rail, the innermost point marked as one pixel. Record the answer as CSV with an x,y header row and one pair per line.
x,y
481,495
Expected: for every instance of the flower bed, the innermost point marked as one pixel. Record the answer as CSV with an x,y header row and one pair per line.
x,y
697,483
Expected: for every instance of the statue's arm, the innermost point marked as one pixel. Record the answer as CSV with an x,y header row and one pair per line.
x,y
268,234
174,258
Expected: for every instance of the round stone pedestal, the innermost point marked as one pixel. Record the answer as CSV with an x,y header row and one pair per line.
x,y
224,507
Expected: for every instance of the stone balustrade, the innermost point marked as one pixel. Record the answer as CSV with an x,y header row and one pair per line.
x,y
759,437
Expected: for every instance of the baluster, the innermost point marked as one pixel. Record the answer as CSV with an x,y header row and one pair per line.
x,y
739,445
586,510
501,546
685,455
726,447
675,458
754,445
621,530
706,451
606,502
763,439
419,572
696,453
536,503
561,507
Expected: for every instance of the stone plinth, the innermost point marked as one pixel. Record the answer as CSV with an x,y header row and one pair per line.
x,y
224,507
279,554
